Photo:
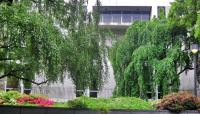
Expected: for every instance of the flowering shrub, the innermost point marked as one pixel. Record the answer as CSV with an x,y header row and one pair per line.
x,y
177,102
14,98
39,101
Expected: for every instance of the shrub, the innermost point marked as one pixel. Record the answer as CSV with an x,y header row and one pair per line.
x,y
78,103
111,103
176,102
14,98
9,97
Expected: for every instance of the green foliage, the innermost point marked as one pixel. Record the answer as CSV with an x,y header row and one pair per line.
x,y
36,38
111,103
30,38
150,53
61,104
79,103
145,57
177,102
84,50
197,29
183,17
9,98
12,82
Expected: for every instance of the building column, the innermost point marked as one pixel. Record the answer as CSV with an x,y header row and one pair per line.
x,y
5,85
167,9
154,12
87,91
21,87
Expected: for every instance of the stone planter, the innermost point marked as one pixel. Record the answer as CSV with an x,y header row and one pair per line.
x,y
49,110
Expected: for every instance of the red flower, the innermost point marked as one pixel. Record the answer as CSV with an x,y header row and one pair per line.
x,y
39,101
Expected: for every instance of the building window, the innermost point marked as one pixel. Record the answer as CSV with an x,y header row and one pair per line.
x,y
127,17
93,94
136,17
116,16
123,16
106,16
161,11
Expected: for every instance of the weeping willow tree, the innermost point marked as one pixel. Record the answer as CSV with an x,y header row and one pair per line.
x,y
29,44
147,57
184,19
52,38
85,51
153,54
197,29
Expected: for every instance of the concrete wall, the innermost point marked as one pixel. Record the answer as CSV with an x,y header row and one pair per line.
x,y
187,82
66,90
2,84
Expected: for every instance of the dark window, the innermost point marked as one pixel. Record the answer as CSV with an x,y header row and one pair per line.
x,y
93,94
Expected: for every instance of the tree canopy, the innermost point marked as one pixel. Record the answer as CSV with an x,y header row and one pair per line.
x,y
32,41
153,54
85,51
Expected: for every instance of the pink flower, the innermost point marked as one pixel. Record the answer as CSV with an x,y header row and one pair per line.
x,y
39,101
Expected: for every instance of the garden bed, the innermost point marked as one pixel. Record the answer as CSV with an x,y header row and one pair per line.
x,y
49,110
13,102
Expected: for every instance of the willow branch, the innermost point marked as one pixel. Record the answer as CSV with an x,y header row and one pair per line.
x,y
5,59
13,74
31,81
186,68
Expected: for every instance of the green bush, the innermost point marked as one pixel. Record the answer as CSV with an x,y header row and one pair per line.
x,y
78,103
177,102
112,103
10,97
